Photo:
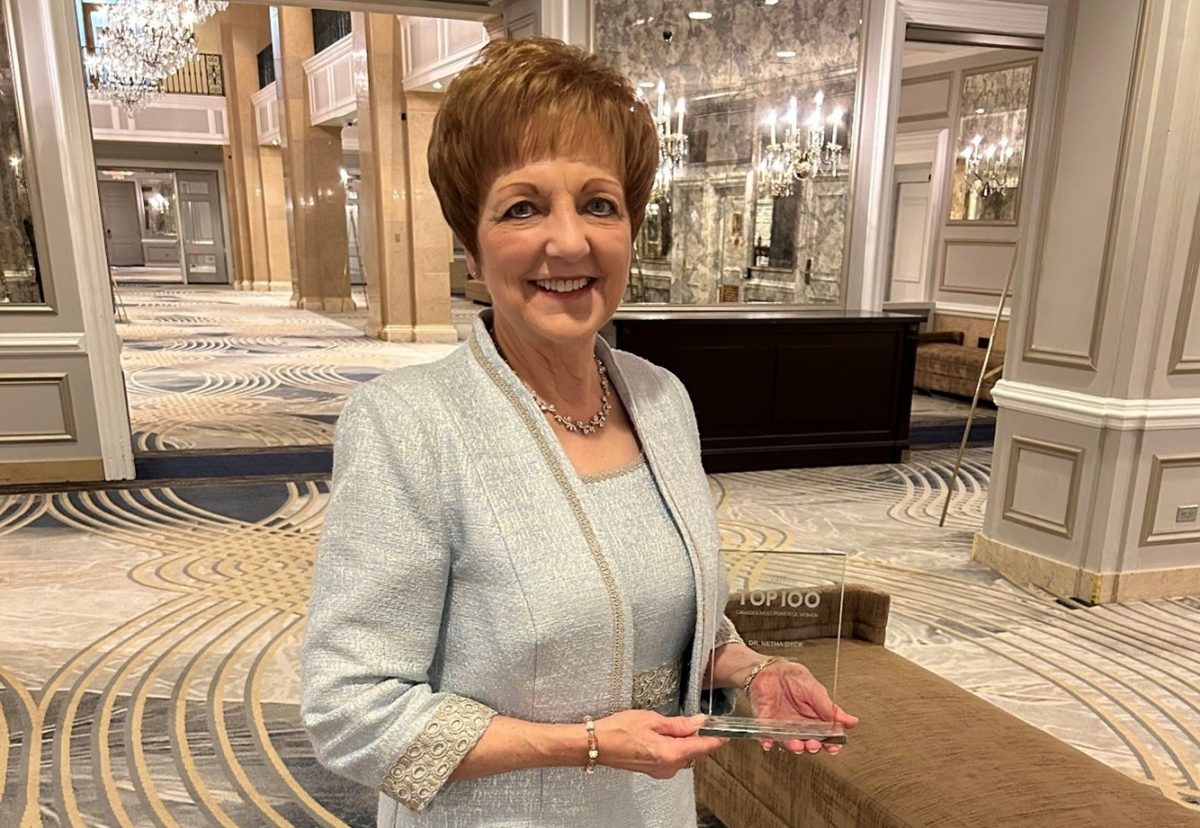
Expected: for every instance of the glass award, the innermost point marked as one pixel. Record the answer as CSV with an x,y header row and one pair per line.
x,y
786,604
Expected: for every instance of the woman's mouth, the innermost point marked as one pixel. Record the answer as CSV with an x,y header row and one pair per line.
x,y
565,288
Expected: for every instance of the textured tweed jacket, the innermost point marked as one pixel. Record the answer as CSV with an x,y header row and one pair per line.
x,y
459,576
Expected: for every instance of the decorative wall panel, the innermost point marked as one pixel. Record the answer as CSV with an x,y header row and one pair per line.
x,y
1173,484
35,408
1043,485
925,98
975,266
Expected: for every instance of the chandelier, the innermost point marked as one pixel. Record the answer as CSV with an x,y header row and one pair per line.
x,y
142,43
803,153
988,170
672,144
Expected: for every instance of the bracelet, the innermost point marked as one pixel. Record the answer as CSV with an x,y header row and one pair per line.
x,y
758,668
593,749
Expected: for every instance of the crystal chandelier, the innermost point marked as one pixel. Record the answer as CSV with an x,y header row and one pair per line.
x,y
142,43
672,145
988,170
802,154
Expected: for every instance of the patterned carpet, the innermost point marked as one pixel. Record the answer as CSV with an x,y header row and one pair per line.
x,y
213,368
210,368
148,664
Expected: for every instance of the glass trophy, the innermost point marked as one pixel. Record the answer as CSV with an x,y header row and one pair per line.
x,y
787,604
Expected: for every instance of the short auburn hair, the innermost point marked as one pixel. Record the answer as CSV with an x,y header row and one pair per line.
x,y
531,99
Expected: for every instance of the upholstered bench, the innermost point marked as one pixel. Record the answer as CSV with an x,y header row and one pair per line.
x,y
925,754
946,365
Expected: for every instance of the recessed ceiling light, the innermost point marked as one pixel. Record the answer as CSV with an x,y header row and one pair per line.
x,y
785,53
437,84
700,15
646,84
770,2
980,111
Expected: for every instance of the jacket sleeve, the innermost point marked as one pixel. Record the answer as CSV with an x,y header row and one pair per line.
x,y
374,620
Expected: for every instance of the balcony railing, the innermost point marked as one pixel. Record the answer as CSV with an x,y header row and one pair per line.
x,y
202,75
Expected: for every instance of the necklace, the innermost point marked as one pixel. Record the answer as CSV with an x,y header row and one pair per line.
x,y
599,419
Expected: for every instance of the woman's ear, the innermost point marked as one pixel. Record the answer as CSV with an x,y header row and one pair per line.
x,y
472,266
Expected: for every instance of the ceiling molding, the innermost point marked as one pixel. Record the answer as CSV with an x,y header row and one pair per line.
x,y
997,16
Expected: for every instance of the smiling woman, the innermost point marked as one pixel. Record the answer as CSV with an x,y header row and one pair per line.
x,y
520,636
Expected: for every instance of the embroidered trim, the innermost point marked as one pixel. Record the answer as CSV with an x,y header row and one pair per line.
x,y
614,473
424,767
726,633
615,694
654,688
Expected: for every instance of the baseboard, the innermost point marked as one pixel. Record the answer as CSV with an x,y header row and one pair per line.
x,y
51,471
1062,579
434,333
393,333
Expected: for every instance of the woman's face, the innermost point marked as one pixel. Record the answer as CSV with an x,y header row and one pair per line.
x,y
554,248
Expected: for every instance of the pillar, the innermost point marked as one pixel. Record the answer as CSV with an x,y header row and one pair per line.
x,y
405,246
279,257
1096,471
312,157
244,31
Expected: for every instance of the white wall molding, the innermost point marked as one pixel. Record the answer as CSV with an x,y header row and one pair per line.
x,y
447,61
980,311
332,99
170,119
996,16
1098,412
37,343
266,115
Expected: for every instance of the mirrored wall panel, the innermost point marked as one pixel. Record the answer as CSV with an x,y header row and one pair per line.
x,y
753,103
20,276
992,122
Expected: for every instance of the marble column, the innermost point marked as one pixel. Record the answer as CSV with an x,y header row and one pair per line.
x,y
279,254
1096,471
244,31
312,157
405,246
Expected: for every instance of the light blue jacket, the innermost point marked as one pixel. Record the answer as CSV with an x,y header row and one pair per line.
x,y
459,576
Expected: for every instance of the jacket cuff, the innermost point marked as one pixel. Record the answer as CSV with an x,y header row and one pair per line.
x,y
726,633
455,726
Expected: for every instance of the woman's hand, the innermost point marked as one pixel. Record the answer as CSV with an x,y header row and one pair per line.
x,y
647,742
786,690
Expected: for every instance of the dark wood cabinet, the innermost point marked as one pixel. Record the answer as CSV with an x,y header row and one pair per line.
x,y
782,388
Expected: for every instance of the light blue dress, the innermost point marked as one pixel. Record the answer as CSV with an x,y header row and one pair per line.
x,y
465,570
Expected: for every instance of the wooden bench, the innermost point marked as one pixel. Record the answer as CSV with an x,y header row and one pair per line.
x,y
926,753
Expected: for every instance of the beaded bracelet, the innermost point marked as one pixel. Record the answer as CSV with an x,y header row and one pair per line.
x,y
593,749
758,668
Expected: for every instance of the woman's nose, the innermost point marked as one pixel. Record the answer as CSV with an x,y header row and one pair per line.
x,y
567,236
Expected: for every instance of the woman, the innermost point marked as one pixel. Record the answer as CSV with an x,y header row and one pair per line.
x,y
519,583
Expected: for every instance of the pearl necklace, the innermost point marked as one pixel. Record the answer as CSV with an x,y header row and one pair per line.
x,y
599,419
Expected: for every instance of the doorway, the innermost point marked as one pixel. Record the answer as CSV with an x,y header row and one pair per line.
x,y
122,224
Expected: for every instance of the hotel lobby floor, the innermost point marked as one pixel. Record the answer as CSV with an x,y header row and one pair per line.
x,y
148,666
211,368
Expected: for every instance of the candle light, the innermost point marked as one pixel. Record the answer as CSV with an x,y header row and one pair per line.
x,y
662,91
791,113
771,122
679,107
819,100
836,120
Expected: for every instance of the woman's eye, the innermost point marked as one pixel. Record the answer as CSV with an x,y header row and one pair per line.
x,y
601,207
520,210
